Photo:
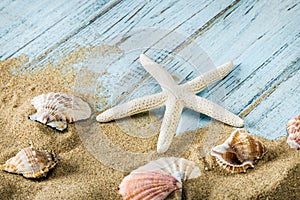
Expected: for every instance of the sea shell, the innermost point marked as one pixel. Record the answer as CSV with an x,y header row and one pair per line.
x,y
31,163
157,179
180,168
293,129
239,152
58,109
154,185
293,125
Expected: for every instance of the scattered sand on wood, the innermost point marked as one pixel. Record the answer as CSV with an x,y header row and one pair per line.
x,y
81,176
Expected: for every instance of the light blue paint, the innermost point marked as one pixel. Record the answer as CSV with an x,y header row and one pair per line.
x,y
261,37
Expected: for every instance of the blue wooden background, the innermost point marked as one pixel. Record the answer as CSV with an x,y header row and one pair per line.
x,y
262,38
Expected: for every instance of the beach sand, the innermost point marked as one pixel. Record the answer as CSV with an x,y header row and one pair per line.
x,y
80,175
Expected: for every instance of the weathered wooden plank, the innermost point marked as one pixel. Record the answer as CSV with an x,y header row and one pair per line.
x,y
30,27
119,19
139,17
242,41
115,71
267,54
256,44
87,36
271,115
256,35
263,40
128,71
212,9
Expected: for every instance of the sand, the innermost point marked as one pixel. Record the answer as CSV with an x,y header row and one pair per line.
x,y
80,174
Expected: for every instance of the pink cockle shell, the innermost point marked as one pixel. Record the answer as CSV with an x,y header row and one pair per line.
x,y
151,185
158,179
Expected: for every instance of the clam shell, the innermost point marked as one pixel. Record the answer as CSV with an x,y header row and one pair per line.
x,y
293,129
157,179
31,163
58,109
151,185
239,152
180,168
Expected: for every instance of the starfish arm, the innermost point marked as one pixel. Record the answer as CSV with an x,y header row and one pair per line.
x,y
213,110
160,74
133,107
201,82
169,124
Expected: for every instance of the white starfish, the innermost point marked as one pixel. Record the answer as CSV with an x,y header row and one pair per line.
x,y
175,97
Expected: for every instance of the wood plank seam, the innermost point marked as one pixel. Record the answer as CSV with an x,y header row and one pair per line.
x,y
57,44
183,45
11,55
271,87
206,26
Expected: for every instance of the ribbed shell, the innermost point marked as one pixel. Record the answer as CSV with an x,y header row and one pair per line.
x,y
293,129
239,152
180,168
148,185
232,165
58,109
31,163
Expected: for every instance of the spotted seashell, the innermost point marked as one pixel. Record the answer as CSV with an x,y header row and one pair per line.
x,y
158,179
58,109
31,163
239,152
293,129
154,185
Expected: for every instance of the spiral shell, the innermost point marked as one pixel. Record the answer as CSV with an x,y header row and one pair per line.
x,y
157,179
239,152
31,163
293,129
58,109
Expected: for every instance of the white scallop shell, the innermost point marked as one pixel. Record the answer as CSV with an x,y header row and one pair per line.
x,y
179,168
31,163
148,185
58,109
239,152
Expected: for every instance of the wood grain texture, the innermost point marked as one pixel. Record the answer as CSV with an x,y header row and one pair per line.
x,y
260,37
264,44
38,27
